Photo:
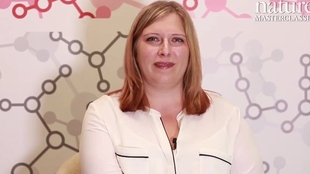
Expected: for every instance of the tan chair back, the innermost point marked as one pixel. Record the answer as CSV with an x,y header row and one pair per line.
x,y
71,166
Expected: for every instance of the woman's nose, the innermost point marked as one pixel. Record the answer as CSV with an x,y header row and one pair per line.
x,y
164,49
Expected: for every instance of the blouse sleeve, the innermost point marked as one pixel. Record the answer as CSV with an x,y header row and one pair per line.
x,y
247,158
97,155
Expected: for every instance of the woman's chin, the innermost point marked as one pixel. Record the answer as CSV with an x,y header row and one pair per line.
x,y
166,82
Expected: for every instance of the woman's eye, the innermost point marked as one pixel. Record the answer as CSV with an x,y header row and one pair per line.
x,y
152,39
178,40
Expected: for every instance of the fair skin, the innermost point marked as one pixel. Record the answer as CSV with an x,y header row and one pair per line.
x,y
162,55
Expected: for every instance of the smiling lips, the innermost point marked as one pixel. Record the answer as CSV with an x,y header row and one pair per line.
x,y
164,65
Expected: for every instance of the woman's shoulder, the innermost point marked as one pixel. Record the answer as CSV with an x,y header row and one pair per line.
x,y
106,100
223,108
219,101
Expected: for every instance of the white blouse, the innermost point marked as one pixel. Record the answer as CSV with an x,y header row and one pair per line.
x,y
216,142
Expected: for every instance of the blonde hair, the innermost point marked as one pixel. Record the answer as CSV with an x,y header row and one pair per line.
x,y
132,95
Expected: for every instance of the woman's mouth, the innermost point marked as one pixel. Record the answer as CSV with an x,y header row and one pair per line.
x,y
164,65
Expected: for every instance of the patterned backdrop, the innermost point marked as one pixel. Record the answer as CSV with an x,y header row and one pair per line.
x,y
58,55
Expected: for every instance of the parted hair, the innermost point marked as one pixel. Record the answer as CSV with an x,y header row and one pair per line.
x,y
132,95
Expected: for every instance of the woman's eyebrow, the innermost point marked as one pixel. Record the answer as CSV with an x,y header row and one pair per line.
x,y
179,35
175,34
150,34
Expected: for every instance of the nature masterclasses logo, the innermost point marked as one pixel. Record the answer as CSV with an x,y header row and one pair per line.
x,y
280,11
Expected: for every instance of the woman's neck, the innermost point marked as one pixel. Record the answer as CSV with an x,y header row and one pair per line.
x,y
164,99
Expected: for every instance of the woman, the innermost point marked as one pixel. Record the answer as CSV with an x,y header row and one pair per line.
x,y
162,121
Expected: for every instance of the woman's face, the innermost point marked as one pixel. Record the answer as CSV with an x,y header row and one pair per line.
x,y
162,52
